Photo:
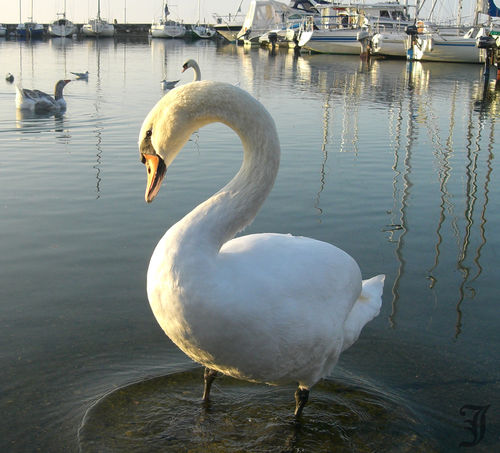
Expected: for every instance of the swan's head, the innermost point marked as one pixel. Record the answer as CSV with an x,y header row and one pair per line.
x,y
189,64
189,107
166,129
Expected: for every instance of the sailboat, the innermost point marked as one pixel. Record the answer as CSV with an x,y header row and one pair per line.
x,y
98,27
62,27
29,29
203,31
165,28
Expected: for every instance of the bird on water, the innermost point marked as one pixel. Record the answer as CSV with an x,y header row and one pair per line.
x,y
39,102
269,308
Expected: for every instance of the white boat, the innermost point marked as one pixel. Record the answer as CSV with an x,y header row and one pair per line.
x,y
3,30
62,27
202,31
98,27
165,28
265,16
389,44
342,27
426,43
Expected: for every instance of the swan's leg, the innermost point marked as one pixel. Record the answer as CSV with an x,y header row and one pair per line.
x,y
301,397
208,376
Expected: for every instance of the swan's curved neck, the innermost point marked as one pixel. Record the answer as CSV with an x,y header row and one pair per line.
x,y
197,72
222,216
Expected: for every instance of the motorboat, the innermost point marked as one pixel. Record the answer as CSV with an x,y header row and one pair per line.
x,y
342,28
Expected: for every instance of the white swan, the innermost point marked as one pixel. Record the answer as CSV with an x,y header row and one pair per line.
x,y
192,64
269,308
39,102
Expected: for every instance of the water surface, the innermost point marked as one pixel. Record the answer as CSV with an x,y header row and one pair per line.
x,y
394,164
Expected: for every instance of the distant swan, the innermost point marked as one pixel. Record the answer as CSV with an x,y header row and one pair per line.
x,y
39,102
196,68
269,308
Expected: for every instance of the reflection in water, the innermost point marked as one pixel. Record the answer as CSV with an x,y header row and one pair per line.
x,y
469,250
398,228
459,173
324,151
35,123
99,126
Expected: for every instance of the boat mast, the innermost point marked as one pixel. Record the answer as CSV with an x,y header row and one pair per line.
x,y
99,9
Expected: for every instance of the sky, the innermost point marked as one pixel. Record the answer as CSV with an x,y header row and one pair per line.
x,y
144,11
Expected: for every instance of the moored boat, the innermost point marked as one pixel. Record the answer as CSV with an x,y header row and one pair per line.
x,y
165,28
62,27
29,29
342,27
98,27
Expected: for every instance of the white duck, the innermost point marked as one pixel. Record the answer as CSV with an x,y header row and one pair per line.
x,y
269,308
192,64
39,102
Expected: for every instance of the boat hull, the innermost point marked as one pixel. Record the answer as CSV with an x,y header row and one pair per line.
x,y
389,44
30,30
449,49
168,31
60,28
98,29
343,42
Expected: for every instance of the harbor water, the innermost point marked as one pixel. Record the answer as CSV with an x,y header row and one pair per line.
x,y
392,162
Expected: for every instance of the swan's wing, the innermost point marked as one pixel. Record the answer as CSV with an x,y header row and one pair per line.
x,y
291,268
286,298
43,101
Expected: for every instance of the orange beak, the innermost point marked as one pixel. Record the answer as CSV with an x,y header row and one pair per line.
x,y
156,171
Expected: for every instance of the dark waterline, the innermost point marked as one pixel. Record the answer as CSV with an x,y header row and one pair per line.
x,y
395,166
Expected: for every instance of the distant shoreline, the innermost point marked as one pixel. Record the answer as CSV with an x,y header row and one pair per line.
x,y
120,29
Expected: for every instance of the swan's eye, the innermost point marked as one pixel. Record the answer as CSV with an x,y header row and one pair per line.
x,y
149,133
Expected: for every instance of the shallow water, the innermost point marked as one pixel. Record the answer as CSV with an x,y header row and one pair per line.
x,y
393,163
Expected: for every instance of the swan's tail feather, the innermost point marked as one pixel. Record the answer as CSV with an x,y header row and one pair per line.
x,y
364,309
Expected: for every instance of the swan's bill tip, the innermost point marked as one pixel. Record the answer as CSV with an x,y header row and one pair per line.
x,y
156,170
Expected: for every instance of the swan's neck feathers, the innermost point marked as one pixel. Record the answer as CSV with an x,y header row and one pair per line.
x,y
222,216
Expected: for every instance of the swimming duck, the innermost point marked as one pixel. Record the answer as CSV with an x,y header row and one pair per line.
x,y
270,308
